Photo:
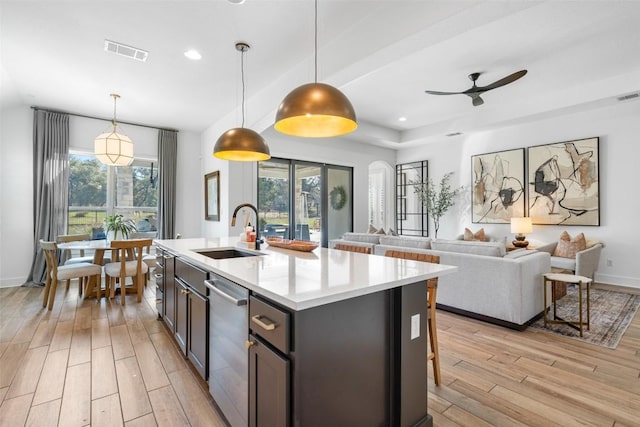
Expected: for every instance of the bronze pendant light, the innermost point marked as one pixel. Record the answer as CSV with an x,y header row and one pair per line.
x,y
315,110
241,144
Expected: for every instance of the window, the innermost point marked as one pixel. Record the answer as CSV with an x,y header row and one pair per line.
x,y
304,200
96,190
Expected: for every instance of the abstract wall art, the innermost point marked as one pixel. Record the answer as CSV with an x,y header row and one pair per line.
x,y
497,186
564,185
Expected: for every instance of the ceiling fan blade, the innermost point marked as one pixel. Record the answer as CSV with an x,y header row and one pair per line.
x,y
433,92
504,81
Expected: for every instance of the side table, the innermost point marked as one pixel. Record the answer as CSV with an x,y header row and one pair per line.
x,y
554,278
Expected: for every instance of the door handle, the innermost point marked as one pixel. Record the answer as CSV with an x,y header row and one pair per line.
x,y
258,320
184,292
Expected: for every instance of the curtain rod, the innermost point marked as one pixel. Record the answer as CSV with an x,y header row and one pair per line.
x,y
100,118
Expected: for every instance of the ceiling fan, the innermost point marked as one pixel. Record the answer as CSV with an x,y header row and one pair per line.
x,y
474,91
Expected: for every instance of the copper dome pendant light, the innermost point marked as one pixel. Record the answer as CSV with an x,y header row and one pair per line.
x,y
315,110
241,144
113,148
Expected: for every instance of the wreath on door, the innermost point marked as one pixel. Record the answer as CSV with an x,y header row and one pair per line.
x,y
338,197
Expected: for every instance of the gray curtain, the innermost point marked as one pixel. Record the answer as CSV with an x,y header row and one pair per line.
x,y
167,170
50,183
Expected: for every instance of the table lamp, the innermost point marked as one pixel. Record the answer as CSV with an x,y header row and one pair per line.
x,y
521,226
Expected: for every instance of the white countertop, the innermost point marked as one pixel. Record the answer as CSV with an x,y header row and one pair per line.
x,y
301,280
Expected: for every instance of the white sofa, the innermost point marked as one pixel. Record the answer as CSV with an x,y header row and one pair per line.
x,y
491,284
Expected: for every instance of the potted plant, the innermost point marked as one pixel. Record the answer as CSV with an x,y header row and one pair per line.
x,y
436,200
117,224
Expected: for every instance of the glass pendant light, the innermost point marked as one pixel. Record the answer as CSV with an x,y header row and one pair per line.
x,y
315,110
241,144
114,148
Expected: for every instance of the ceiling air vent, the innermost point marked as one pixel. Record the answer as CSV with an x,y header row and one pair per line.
x,y
124,50
454,134
629,96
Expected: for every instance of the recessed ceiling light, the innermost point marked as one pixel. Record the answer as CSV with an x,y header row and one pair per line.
x,y
236,1
402,119
193,54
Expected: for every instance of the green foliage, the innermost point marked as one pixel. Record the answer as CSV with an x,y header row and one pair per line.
x,y
118,224
436,200
87,182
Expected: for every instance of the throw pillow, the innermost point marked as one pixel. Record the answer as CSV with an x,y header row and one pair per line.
x,y
381,231
568,247
392,232
372,229
478,235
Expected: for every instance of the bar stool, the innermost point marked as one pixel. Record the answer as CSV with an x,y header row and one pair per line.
x,y
553,278
432,289
353,248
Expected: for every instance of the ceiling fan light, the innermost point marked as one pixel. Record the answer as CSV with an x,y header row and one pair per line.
x,y
241,145
113,148
315,110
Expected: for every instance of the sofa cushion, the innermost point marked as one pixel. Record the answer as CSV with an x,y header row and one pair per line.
x,y
478,235
362,237
496,249
518,253
406,241
568,247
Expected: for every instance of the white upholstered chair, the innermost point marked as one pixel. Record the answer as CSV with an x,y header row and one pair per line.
x,y
584,264
55,273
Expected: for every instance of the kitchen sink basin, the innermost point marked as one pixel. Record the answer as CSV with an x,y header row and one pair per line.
x,y
226,253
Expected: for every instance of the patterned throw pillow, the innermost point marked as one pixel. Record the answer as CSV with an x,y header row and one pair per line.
x,y
478,235
568,247
372,229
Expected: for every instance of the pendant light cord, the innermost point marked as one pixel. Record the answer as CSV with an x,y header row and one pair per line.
x,y
242,78
316,41
115,98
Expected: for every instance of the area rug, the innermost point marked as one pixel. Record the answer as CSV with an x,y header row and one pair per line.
x,y
611,314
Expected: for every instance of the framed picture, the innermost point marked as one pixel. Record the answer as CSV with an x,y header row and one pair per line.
x,y
212,196
498,191
564,185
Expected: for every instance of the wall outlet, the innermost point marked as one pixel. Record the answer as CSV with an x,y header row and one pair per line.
x,y
609,263
415,326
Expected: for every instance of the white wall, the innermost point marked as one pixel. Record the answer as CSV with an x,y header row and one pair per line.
x,y
16,195
16,186
618,127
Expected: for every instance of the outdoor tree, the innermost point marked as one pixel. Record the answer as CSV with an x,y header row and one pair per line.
x,y
436,200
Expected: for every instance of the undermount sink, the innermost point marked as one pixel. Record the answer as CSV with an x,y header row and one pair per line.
x,y
226,253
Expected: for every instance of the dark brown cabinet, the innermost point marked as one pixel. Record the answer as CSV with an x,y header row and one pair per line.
x,y
169,306
269,385
192,314
197,336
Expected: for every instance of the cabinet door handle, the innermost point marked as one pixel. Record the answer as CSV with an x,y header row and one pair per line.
x,y
158,276
167,257
184,292
257,319
249,343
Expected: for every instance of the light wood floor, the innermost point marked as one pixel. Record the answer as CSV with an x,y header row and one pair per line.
x,y
85,363
103,364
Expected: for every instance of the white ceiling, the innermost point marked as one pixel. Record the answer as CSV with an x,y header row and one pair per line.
x,y
381,54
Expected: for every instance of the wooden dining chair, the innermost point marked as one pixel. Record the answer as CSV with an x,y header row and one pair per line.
x,y
432,289
129,263
79,271
353,248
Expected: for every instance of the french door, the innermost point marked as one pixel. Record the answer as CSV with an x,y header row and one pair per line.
x,y
304,200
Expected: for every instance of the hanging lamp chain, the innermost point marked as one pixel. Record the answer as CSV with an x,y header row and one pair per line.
x,y
316,41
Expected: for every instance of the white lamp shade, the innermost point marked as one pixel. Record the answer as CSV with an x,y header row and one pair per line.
x,y
521,225
114,149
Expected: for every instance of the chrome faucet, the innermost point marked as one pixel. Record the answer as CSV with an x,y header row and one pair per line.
x,y
250,206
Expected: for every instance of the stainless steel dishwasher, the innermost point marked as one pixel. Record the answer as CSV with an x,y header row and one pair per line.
x,y
228,357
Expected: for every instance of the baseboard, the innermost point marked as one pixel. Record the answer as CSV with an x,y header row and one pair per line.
x,y
610,279
12,282
489,319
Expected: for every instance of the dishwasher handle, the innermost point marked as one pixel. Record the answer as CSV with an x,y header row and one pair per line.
x,y
211,284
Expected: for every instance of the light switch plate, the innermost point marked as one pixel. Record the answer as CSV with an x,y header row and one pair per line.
x,y
415,326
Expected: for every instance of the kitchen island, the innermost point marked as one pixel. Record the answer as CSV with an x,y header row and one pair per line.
x,y
333,337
